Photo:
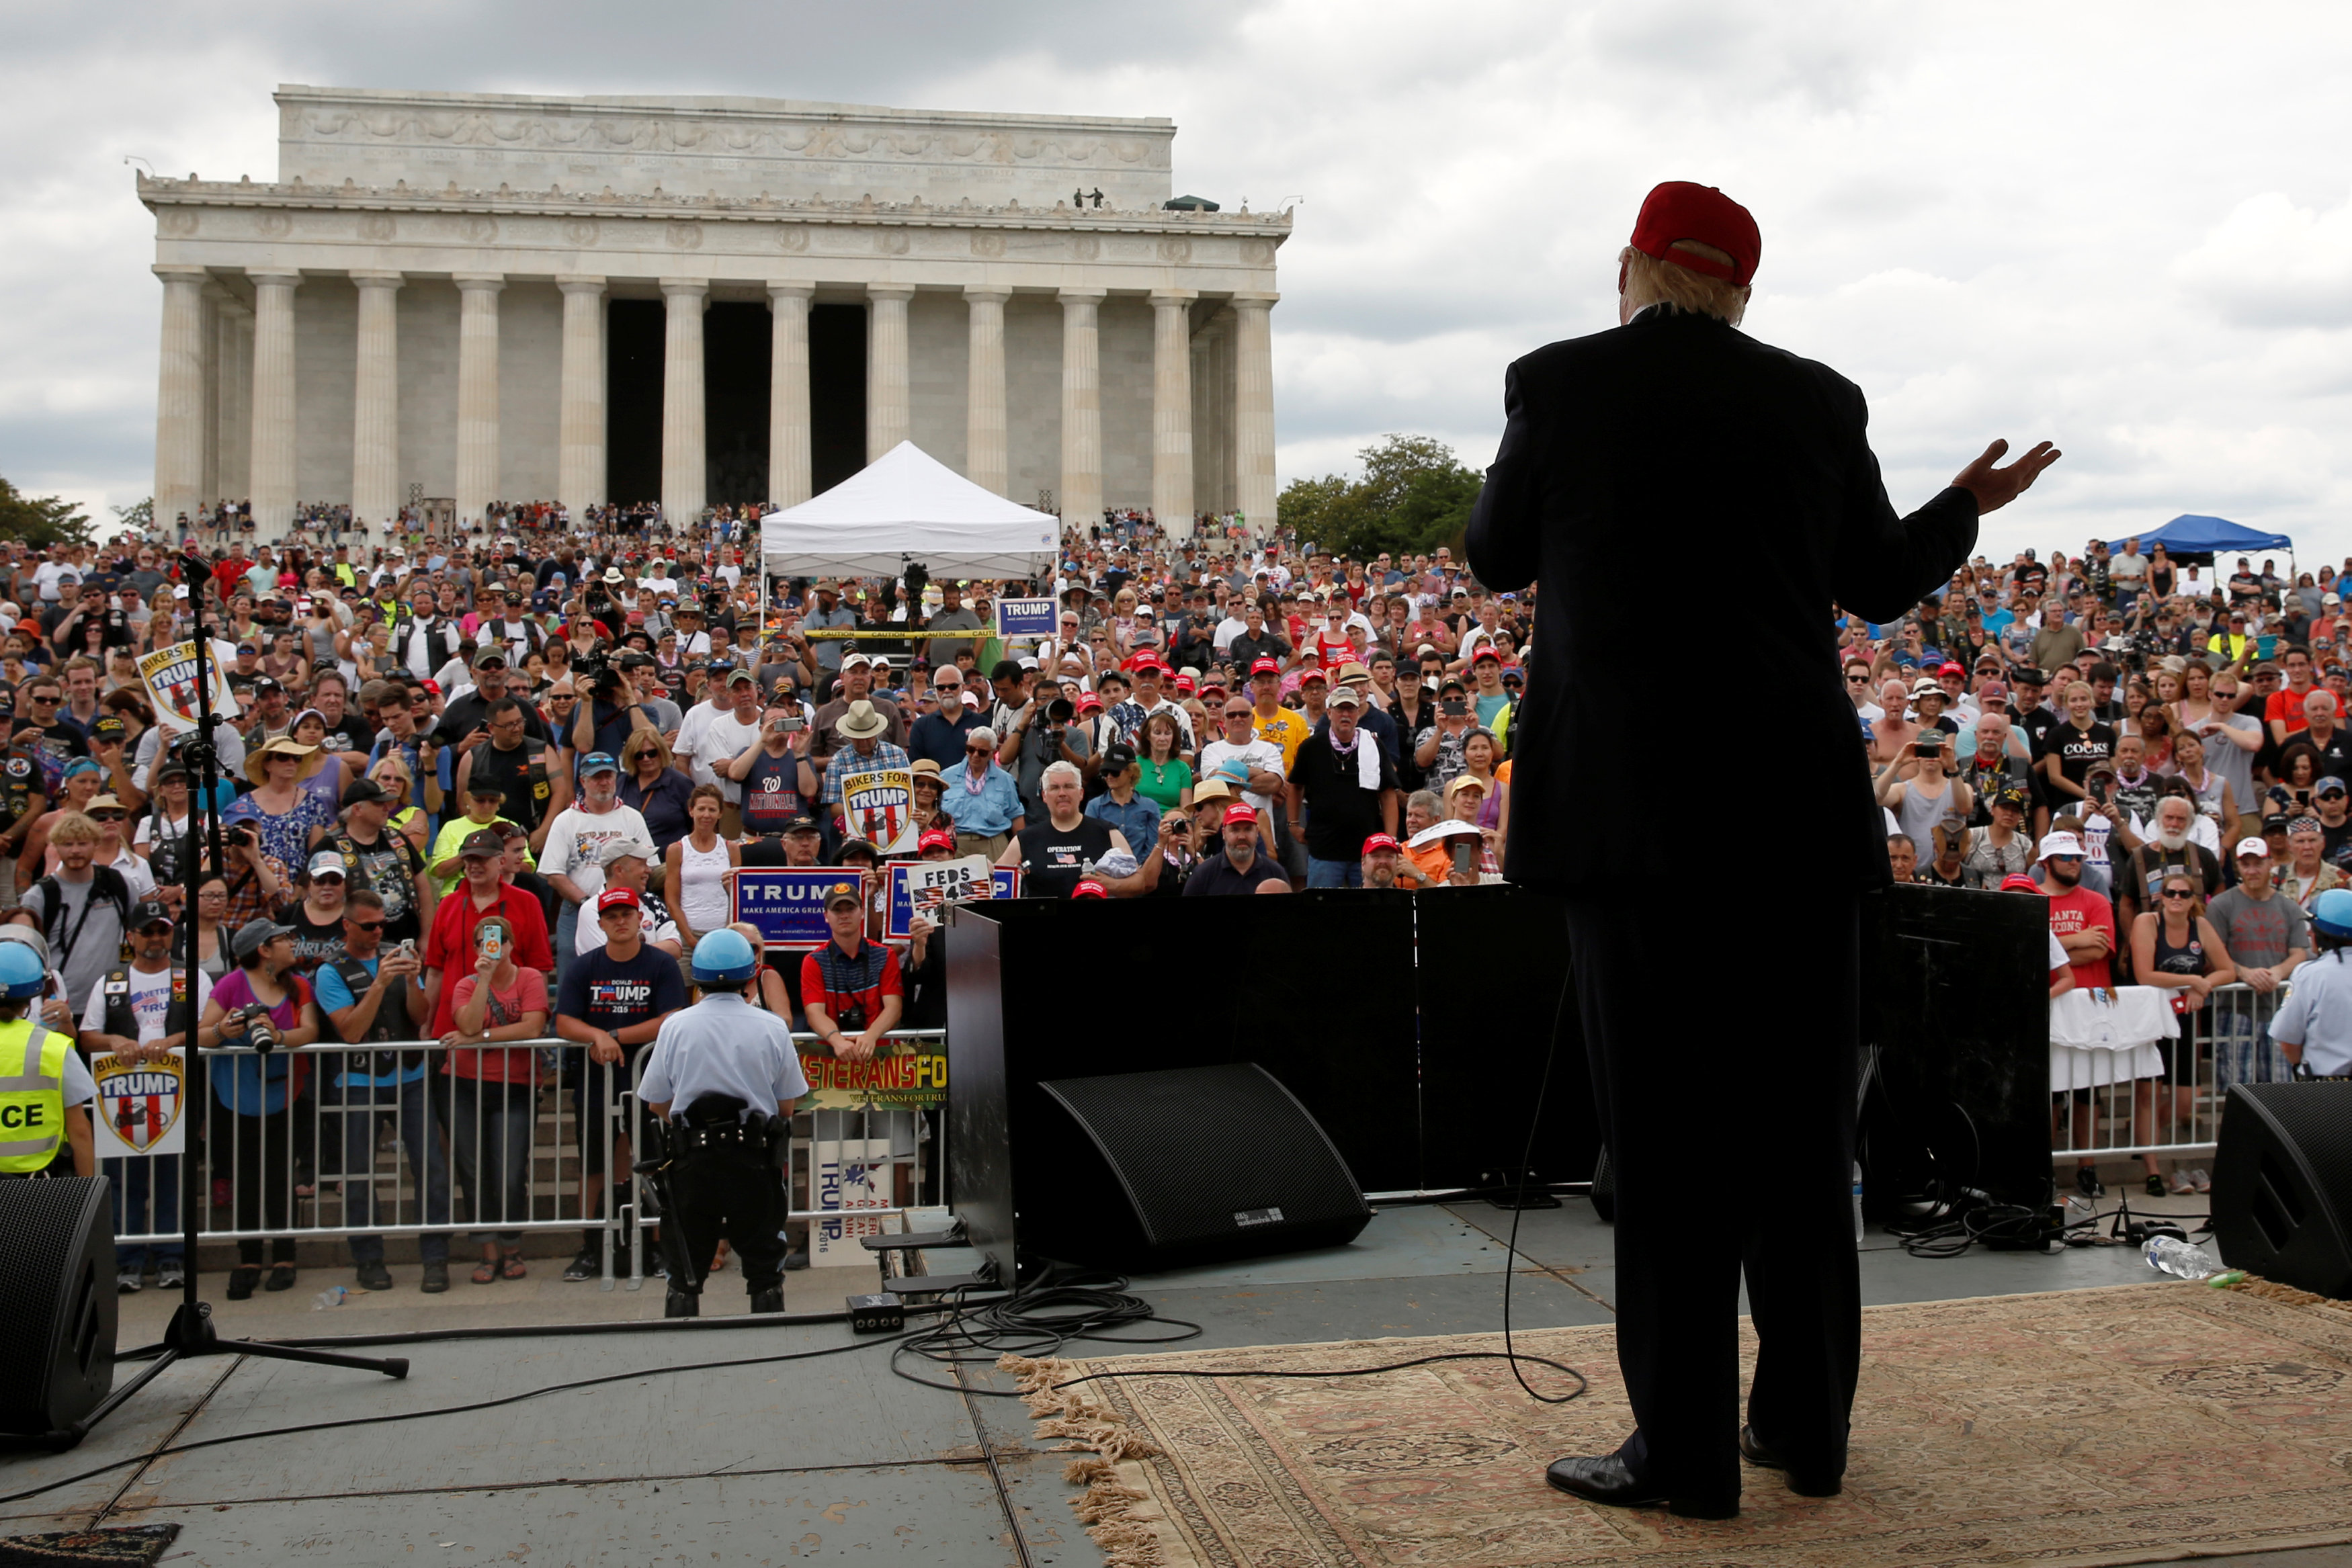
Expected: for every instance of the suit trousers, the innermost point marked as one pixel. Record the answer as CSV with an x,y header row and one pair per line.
x,y
1730,1125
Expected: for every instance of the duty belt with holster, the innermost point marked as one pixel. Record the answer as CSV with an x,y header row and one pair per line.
x,y
716,1122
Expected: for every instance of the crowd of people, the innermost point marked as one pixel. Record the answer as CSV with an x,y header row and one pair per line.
x,y
489,788
2158,753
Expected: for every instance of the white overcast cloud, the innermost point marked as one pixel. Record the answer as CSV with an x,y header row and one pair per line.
x,y
2125,227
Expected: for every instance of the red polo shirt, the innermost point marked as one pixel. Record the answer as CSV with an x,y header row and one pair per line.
x,y
450,945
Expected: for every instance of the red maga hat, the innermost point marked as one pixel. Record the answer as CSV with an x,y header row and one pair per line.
x,y
1679,210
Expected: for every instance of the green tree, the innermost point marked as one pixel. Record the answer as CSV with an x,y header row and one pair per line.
x,y
137,517
1304,507
1416,495
40,520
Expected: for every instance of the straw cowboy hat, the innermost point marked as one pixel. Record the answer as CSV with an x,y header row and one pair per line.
x,y
861,722
310,758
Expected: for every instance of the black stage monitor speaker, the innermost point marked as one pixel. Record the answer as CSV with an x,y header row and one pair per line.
x,y
1191,1165
56,1301
2282,1185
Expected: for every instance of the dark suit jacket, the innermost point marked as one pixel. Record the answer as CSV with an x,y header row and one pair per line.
x,y
1676,450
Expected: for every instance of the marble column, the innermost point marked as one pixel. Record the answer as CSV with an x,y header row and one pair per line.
x,y
180,396
580,413
790,454
889,416
270,469
477,391
1254,410
208,482
985,461
685,461
1081,498
1172,410
233,437
375,400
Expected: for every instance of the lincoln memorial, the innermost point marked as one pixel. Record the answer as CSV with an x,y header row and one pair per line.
x,y
706,300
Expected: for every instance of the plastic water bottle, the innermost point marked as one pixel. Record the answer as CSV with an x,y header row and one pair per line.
x,y
1857,1205
332,1296
2174,1256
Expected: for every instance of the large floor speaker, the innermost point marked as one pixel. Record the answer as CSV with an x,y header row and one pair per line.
x,y
1197,1165
2282,1185
56,1301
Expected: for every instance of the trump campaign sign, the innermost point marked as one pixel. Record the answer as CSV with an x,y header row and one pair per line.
x,y
787,902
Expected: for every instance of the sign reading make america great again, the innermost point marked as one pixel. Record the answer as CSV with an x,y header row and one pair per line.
x,y
787,902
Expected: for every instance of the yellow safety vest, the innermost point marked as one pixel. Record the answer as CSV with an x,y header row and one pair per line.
x,y
32,1095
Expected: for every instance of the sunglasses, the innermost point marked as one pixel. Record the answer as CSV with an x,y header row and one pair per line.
x,y
2177,892
108,816
367,924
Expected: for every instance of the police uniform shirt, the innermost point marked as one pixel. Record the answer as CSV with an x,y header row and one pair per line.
x,y
2317,1015
81,1088
723,1045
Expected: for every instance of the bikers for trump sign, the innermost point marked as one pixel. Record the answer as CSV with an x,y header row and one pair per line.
x,y
171,677
881,808
139,1104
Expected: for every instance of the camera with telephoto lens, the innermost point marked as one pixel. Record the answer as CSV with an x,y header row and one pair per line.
x,y
260,1032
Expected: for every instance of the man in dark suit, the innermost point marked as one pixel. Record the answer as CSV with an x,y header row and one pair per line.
x,y
1677,426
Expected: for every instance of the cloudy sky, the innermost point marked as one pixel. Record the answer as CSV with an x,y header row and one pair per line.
x,y
2125,227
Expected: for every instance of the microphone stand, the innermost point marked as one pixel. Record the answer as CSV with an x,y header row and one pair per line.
x,y
191,1332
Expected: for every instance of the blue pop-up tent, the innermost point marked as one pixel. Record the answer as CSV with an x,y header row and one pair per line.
x,y
2191,534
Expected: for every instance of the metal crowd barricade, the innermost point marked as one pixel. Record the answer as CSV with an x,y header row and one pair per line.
x,y
373,1140
2177,1112
840,1151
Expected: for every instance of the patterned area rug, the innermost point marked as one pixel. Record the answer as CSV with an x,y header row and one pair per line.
x,y
2135,1424
88,1548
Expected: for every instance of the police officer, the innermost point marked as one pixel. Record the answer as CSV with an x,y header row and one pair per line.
x,y
46,1089
720,1081
2314,1024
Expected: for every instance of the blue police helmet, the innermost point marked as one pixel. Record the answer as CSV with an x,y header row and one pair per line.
x,y
22,972
2331,916
723,955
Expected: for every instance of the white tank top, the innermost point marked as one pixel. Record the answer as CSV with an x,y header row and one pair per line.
x,y
702,885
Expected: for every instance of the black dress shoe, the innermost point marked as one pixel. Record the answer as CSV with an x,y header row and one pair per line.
x,y
1804,1481
767,1300
1607,1479
679,1304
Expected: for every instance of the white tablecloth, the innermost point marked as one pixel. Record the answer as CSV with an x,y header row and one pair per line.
x,y
2098,1038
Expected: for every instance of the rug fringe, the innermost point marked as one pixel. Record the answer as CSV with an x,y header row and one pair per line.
x,y
1109,1508
2272,1291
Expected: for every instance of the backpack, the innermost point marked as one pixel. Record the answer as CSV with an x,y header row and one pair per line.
x,y
107,884
356,979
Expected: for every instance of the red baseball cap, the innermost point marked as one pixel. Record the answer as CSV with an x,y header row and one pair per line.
x,y
1679,210
1262,665
1380,842
616,897
1089,889
935,839
1088,702
1184,683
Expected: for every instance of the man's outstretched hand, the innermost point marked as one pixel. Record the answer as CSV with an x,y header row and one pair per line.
x,y
1997,487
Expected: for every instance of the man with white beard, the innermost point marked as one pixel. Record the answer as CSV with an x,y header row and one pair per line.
x,y
2168,846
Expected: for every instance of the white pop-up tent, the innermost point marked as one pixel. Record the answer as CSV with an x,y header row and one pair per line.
x,y
904,506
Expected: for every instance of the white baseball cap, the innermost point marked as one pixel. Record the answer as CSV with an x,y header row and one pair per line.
x,y
2058,845
2259,848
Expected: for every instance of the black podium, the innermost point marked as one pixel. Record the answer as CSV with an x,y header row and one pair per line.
x,y
1412,1026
